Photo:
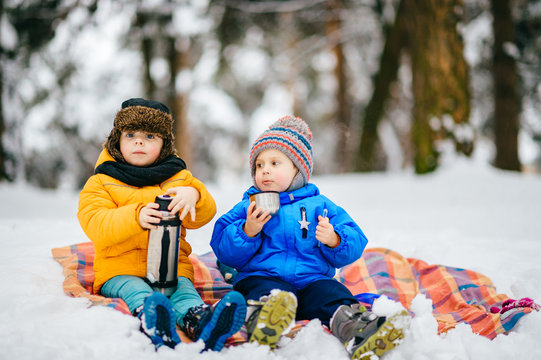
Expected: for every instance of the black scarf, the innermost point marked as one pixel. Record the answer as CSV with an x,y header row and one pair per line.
x,y
142,176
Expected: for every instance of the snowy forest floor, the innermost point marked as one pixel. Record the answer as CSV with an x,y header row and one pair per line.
x,y
465,215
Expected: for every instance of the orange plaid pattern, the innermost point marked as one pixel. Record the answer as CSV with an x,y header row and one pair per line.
x,y
77,263
458,295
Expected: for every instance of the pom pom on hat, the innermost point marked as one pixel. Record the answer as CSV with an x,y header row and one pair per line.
x,y
144,115
292,136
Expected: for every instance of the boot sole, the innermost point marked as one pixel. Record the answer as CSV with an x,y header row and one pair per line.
x,y
227,318
158,321
276,315
388,336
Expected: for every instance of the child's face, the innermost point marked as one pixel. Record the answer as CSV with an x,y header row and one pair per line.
x,y
140,148
274,171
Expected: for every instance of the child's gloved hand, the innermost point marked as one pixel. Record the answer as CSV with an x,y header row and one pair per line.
x,y
255,219
185,198
325,232
149,216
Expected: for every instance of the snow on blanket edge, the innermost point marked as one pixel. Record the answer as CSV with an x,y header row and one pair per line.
x,y
458,295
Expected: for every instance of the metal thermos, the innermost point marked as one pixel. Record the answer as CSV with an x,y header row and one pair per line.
x,y
163,244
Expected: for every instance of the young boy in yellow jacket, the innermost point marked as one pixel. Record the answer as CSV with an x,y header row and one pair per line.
x,y
117,210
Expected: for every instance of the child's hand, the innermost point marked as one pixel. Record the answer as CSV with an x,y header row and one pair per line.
x,y
325,232
148,216
255,219
185,198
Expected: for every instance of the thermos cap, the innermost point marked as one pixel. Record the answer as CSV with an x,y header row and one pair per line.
x,y
163,201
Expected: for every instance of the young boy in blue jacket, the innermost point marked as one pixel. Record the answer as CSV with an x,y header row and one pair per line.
x,y
286,262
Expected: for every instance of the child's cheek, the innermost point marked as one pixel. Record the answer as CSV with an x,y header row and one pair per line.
x,y
284,181
258,179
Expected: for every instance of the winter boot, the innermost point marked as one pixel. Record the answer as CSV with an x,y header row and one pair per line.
x,y
158,320
214,325
365,334
271,317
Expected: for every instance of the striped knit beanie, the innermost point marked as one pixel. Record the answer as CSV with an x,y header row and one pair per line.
x,y
144,115
292,136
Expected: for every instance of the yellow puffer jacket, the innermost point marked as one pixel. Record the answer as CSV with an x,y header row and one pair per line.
x,y
109,213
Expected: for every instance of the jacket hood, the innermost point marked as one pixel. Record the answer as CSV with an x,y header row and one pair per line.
x,y
104,156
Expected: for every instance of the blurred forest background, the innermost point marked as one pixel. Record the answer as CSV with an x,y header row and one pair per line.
x,y
385,85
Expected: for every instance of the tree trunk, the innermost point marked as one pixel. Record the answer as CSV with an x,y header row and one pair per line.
x,y
342,153
146,50
395,41
3,174
143,18
439,79
422,27
177,62
506,98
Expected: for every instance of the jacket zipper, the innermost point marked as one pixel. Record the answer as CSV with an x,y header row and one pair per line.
x,y
303,218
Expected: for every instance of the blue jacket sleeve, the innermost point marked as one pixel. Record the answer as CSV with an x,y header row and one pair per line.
x,y
352,239
229,241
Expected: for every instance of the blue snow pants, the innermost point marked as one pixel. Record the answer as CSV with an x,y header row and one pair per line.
x,y
318,300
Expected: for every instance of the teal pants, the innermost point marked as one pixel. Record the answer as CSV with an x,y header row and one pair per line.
x,y
133,290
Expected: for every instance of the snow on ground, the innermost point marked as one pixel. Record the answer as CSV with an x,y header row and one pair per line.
x,y
465,215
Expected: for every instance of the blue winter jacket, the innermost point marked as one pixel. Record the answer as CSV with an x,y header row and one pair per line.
x,y
282,249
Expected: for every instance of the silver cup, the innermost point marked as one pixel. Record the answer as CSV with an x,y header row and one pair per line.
x,y
268,200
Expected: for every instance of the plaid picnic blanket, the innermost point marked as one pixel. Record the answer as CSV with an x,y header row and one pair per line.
x,y
458,295
77,262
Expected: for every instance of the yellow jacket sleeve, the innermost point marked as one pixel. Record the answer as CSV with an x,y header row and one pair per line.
x,y
102,220
205,209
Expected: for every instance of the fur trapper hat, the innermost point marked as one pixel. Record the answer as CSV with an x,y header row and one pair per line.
x,y
144,115
292,136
